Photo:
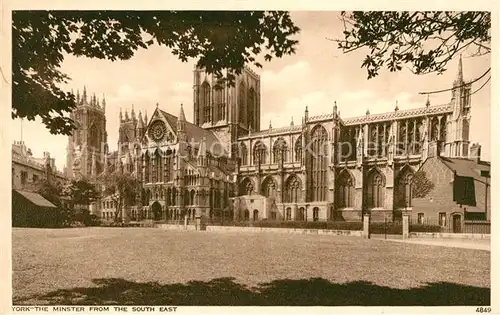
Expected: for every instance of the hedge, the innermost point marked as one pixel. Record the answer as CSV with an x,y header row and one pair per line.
x,y
425,228
386,228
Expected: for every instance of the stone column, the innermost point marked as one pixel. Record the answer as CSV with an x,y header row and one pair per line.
x,y
406,226
366,226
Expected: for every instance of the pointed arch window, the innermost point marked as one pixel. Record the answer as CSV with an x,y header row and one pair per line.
x,y
205,101
159,166
241,102
404,184
318,163
219,100
260,153
280,151
345,190
292,190
251,107
246,187
375,190
147,163
269,187
243,154
298,149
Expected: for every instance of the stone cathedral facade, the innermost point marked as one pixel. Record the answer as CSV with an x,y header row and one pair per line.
x,y
223,164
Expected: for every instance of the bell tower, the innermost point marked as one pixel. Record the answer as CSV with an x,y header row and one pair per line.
x,y
457,138
229,111
87,144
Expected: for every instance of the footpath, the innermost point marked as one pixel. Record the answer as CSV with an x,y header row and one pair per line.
x,y
479,244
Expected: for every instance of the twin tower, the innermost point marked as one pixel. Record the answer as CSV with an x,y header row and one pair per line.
x,y
228,111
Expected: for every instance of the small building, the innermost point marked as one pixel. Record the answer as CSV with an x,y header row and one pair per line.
x,y
460,192
32,210
28,170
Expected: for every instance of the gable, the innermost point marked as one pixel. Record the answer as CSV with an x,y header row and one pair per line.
x,y
170,129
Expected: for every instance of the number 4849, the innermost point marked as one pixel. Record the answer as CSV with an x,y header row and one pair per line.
x,y
483,310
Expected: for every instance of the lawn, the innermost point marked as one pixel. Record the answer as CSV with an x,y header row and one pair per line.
x,y
147,266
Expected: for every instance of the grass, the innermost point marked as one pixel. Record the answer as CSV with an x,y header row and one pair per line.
x,y
152,266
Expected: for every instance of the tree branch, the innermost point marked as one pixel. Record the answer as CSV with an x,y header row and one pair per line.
x,y
462,85
489,78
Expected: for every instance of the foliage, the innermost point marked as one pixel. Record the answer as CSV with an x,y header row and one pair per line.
x,y
122,188
50,190
395,227
421,185
83,192
54,191
217,39
426,41
431,228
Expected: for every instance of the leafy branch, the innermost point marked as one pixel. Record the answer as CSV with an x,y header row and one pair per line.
x,y
424,42
218,40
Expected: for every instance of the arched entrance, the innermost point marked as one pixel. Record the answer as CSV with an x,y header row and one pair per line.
x,y
156,210
457,223
256,215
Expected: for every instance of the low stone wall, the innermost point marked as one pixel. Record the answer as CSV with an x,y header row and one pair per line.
x,y
449,235
164,226
283,230
262,230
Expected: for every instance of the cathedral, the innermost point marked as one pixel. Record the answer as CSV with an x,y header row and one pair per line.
x,y
326,167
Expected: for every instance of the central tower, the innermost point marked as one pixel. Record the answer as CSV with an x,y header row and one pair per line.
x,y
230,112
88,142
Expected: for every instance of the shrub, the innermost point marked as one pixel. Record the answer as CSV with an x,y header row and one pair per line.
x,y
425,228
386,228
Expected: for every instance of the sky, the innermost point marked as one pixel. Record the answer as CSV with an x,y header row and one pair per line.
x,y
315,76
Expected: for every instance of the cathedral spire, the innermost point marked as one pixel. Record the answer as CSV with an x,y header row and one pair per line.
x,y
146,118
126,115
202,152
77,96
84,96
182,117
428,103
460,75
94,100
181,121
121,115
140,123
133,112
291,122
103,102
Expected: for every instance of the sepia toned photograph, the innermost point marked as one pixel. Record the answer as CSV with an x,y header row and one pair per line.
x,y
163,159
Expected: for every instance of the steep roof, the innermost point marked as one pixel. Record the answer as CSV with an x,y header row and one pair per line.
x,y
467,167
192,131
36,199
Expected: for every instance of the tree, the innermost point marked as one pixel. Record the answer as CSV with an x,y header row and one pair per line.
x,y
122,188
83,192
50,190
423,41
218,40
53,191
421,185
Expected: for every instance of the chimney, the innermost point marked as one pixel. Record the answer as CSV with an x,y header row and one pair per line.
x,y
475,152
434,149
